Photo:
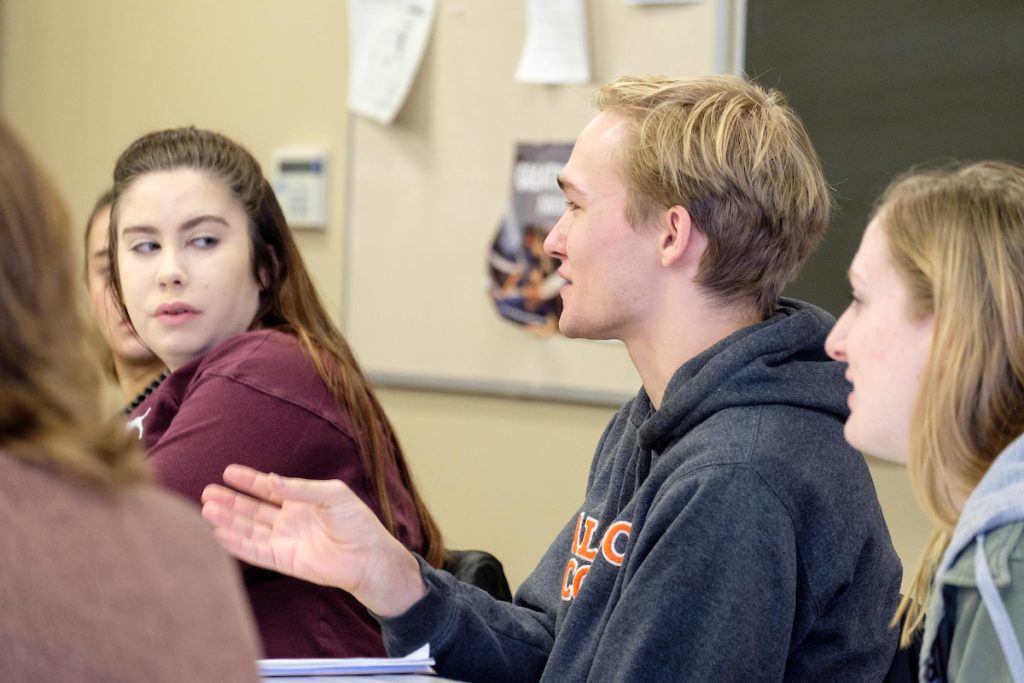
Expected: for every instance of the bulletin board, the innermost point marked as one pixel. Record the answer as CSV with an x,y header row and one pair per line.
x,y
426,195
884,86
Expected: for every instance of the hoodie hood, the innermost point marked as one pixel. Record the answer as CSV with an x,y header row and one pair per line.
x,y
779,361
995,501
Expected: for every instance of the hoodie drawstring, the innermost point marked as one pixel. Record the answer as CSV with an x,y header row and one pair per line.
x,y
997,613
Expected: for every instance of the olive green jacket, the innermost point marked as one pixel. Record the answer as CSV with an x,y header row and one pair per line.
x,y
975,617
975,653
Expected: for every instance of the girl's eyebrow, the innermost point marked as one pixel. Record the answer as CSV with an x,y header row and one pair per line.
x,y
190,223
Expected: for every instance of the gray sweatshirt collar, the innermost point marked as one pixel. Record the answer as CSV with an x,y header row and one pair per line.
x,y
995,501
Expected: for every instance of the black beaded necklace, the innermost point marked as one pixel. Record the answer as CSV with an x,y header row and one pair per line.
x,y
144,394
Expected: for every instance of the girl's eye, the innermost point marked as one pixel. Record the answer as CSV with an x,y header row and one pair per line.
x,y
571,205
144,247
855,299
204,242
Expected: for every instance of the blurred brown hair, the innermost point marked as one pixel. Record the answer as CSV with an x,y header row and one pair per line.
x,y
49,391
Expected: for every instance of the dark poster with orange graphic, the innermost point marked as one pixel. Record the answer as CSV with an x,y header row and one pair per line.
x,y
524,282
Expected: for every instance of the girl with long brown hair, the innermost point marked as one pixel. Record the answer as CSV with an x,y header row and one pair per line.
x,y
208,273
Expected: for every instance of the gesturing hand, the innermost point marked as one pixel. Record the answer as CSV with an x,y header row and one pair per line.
x,y
319,531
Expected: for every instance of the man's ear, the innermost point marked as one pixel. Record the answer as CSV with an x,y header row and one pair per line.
x,y
677,237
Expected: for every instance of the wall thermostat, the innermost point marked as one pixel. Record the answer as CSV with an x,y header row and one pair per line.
x,y
300,183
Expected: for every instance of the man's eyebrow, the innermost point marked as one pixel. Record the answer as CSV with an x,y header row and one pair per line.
x,y
566,185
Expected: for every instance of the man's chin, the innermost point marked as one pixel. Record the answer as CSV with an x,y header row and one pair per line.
x,y
575,331
566,327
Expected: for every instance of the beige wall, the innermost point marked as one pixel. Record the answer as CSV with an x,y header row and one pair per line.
x,y
79,80
500,474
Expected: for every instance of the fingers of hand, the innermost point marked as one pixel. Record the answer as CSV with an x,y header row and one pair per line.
x,y
323,493
242,515
276,489
252,482
218,494
244,548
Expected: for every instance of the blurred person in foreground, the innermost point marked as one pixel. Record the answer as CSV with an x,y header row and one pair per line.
x,y
105,578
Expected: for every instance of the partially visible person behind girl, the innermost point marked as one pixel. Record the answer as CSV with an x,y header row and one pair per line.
x,y
934,339
208,272
105,577
126,359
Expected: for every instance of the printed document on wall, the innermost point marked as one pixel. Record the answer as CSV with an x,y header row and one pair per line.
x,y
664,2
556,43
387,39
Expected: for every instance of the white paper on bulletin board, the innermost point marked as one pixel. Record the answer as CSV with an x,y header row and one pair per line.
x,y
556,43
664,2
426,195
387,39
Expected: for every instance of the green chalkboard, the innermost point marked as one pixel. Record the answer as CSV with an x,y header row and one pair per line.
x,y
886,85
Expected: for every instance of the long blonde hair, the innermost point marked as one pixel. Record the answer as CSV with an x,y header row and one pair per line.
x,y
50,412
956,236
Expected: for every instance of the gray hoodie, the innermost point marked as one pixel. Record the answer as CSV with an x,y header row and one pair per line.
x,y
730,535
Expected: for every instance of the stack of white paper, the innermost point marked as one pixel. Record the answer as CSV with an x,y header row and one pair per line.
x,y
418,662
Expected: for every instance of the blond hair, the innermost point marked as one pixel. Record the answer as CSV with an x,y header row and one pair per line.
x,y
49,390
956,236
740,161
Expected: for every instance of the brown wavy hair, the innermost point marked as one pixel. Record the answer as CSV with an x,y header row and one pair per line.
x,y
956,237
288,302
738,158
50,407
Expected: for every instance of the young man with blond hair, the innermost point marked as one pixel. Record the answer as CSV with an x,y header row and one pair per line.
x,y
727,531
